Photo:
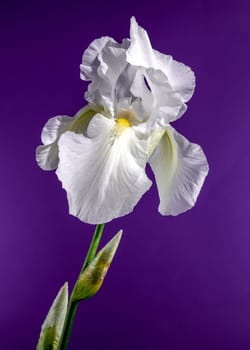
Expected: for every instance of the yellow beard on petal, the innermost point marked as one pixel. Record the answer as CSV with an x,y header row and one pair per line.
x,y
123,123
123,120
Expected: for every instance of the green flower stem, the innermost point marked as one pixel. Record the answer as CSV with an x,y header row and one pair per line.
x,y
72,307
93,246
69,321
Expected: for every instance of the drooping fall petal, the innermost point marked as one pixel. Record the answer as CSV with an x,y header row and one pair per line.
x,y
47,154
104,171
180,168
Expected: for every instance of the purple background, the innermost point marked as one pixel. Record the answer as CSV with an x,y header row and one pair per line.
x,y
176,283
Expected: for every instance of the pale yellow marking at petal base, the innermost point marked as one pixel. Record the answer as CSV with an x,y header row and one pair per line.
x,y
172,147
81,121
155,140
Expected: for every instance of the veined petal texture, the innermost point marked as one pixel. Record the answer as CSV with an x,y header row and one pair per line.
x,y
180,168
103,171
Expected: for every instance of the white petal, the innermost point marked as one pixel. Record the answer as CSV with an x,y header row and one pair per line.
x,y
105,63
103,172
167,103
90,63
102,90
124,82
99,94
140,53
54,128
139,89
47,156
180,76
112,63
180,168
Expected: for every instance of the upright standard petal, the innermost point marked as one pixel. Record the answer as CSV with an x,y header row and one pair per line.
x,y
180,168
162,77
102,90
104,171
167,105
140,52
178,76
90,62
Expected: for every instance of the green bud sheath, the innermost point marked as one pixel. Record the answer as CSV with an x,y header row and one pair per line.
x,y
53,325
91,279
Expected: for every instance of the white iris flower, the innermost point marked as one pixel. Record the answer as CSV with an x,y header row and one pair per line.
x,y
101,153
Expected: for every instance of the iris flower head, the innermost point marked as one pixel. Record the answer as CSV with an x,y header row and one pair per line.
x,y
100,154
